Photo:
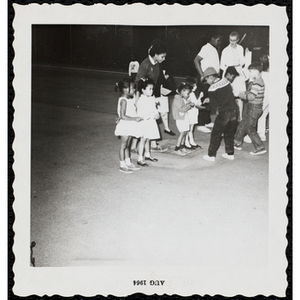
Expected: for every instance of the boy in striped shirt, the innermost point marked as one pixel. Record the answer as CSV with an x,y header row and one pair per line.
x,y
253,97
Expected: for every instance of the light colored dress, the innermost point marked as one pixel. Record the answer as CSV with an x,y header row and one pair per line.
x,y
193,112
126,127
163,106
183,125
146,109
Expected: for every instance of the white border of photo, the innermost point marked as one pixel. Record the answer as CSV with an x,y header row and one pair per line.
x,y
90,281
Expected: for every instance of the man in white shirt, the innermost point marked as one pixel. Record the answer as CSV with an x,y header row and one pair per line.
x,y
207,57
233,56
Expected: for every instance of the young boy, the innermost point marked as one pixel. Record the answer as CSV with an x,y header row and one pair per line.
x,y
253,98
222,100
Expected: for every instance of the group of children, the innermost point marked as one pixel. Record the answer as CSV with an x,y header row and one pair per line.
x,y
138,115
137,120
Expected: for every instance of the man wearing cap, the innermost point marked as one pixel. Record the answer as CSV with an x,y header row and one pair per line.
x,y
207,57
223,101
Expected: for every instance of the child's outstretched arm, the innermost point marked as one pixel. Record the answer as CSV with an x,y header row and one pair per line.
x,y
198,103
186,107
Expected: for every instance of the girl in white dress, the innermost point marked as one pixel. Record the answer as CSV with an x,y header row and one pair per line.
x,y
147,111
128,124
192,114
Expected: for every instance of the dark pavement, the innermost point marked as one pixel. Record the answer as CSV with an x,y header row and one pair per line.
x,y
179,210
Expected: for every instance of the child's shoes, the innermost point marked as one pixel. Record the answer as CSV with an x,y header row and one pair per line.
x,y
132,167
153,159
142,163
125,170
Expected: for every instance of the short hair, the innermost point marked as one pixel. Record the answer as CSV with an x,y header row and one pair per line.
x,y
231,70
215,35
235,33
256,66
124,84
143,83
158,47
184,86
265,62
191,81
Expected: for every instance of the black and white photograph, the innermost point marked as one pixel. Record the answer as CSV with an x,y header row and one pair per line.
x,y
150,149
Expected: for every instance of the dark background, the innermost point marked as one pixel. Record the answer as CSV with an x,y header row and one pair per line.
x,y
112,47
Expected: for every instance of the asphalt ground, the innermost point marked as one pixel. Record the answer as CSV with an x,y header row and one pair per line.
x,y
179,210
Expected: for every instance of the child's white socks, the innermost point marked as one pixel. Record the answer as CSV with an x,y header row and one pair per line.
x,y
127,161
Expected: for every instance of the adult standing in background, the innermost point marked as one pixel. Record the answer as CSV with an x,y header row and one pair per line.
x,y
208,57
233,56
151,68
133,67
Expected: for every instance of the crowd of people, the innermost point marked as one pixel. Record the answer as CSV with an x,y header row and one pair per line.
x,y
231,86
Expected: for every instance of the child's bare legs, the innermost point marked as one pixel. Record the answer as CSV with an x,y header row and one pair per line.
x,y
189,139
179,148
126,166
144,146
165,119
181,139
134,144
127,151
141,149
154,144
191,135
147,147
124,140
148,152
124,151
